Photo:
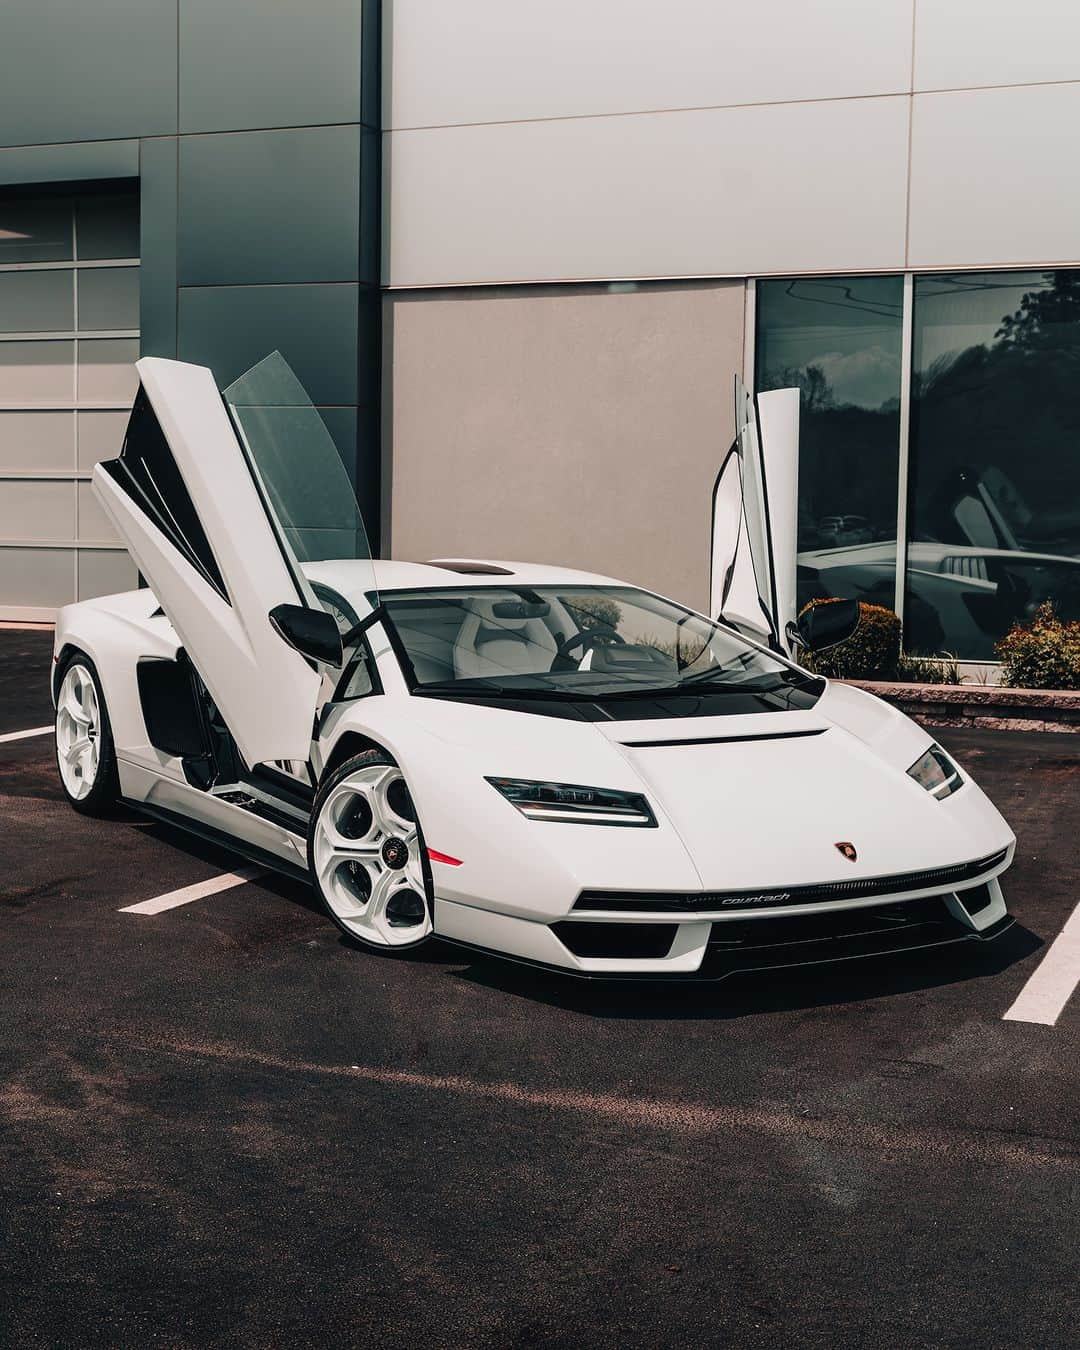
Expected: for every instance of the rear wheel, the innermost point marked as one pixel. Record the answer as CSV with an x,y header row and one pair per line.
x,y
85,754
366,854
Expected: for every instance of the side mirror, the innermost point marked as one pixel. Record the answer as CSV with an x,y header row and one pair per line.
x,y
311,632
825,626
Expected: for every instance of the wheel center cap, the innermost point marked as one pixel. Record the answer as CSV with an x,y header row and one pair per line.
x,y
395,853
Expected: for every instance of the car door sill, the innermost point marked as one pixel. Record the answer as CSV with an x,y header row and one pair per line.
x,y
231,842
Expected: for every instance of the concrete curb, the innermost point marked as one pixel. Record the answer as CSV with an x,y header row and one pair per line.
x,y
972,705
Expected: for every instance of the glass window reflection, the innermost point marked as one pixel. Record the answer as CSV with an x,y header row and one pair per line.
x,y
994,472
838,340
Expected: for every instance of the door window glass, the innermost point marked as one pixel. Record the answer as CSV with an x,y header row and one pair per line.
x,y
300,473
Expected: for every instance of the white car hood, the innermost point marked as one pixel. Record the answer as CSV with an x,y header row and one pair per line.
x,y
774,794
757,800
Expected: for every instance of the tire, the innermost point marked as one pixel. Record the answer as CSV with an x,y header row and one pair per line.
x,y
367,857
88,774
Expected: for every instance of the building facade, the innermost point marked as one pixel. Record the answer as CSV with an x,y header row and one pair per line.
x,y
593,216
193,179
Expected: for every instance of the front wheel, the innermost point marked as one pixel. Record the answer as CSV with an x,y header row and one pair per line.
x,y
367,855
85,754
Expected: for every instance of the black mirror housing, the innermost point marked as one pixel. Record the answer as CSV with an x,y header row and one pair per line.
x,y
827,625
311,632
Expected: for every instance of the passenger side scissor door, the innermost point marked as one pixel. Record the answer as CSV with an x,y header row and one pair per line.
x,y
754,518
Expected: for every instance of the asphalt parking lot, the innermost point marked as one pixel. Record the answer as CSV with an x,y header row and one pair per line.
x,y
220,1124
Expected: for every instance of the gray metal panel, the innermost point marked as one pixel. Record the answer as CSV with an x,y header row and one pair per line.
x,y
355,433
370,150
69,163
261,206
87,71
157,228
252,65
230,328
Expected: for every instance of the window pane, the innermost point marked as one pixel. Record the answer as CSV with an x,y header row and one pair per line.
x,y
105,572
101,435
36,509
94,524
37,576
838,340
107,370
36,441
37,372
994,509
108,297
108,225
37,302
34,231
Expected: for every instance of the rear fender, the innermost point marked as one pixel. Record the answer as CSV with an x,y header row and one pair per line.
x,y
115,632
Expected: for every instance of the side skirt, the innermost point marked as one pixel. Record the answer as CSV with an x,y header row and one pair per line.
x,y
231,842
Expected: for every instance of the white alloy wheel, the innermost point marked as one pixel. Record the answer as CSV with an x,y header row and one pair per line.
x,y
366,855
78,732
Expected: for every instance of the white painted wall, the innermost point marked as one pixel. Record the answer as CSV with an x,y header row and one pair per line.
x,y
463,61
992,177
970,44
546,140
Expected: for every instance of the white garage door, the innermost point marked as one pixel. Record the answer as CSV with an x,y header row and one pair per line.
x,y
69,337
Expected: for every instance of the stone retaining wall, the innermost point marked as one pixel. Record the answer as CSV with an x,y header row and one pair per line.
x,y
973,705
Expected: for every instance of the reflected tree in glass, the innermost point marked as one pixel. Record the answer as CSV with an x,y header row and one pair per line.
x,y
837,340
994,473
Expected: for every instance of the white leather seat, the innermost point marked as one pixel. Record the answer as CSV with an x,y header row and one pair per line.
x,y
488,646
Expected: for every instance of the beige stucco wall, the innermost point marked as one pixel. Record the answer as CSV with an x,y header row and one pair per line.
x,y
568,424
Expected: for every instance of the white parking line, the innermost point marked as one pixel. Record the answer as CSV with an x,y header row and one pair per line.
x,y
25,735
171,899
1057,975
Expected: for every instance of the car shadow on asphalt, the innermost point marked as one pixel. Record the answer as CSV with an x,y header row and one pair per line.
x,y
750,993
740,994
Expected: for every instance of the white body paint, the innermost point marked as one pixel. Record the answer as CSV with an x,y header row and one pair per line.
x,y
754,802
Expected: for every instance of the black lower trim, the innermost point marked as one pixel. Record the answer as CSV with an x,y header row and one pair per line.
x,y
713,970
843,935
212,835
866,888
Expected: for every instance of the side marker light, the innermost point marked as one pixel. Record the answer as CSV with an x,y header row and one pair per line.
x,y
436,856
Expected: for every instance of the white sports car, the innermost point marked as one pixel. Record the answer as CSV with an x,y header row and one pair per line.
x,y
550,765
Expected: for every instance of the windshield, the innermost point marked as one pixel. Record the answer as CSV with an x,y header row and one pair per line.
x,y
300,473
572,641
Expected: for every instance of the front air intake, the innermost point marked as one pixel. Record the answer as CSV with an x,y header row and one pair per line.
x,y
617,941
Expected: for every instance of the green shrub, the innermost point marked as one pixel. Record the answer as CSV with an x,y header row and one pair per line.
x,y
941,669
871,653
1043,655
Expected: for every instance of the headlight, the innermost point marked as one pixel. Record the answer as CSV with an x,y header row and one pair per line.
x,y
571,804
936,772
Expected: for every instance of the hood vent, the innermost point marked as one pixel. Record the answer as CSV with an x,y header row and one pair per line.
x,y
726,740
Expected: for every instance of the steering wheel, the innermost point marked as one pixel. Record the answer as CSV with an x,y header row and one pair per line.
x,y
587,638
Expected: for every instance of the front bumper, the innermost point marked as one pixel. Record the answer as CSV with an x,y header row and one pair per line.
x,y
660,945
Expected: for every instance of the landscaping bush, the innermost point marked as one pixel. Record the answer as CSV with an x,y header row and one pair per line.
x,y
871,653
1045,654
941,669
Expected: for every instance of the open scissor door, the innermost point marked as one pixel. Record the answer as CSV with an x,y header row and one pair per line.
x,y
220,501
754,518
